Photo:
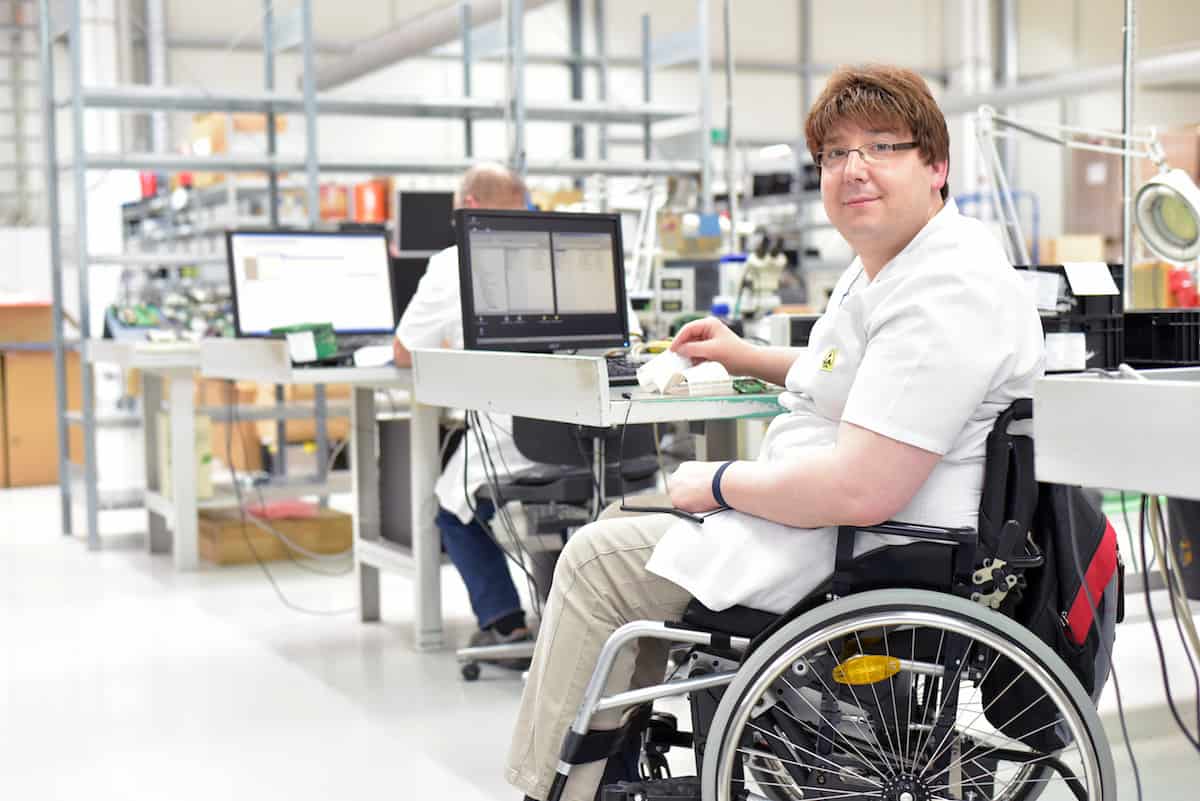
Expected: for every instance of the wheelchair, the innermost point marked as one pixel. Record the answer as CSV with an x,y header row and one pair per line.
x,y
864,690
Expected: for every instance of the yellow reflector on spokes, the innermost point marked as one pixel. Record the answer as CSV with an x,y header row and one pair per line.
x,y
866,669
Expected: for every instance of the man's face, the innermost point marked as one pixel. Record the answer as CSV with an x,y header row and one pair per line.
x,y
880,204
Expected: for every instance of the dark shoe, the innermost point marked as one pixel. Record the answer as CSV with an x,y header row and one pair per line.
x,y
485,637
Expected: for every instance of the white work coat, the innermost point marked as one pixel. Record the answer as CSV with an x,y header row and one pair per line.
x,y
943,339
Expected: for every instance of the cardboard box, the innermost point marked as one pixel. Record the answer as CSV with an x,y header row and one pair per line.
x,y
302,430
1071,247
219,132
30,424
22,323
3,431
223,536
203,453
235,444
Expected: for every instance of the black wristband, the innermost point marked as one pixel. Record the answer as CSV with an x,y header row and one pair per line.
x,y
716,484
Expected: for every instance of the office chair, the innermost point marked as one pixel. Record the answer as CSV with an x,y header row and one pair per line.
x,y
559,494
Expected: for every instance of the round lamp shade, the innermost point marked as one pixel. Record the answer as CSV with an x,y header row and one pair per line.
x,y
1167,213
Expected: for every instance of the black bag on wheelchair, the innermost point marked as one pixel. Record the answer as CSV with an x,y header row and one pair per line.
x,y
1072,602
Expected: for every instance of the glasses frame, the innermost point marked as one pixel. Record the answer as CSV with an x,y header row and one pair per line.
x,y
887,147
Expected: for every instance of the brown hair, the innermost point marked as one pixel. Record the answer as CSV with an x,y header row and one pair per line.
x,y
492,185
873,95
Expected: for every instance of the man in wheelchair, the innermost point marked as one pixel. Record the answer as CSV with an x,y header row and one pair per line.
x,y
928,337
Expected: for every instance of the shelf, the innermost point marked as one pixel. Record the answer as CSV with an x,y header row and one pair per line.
x,y
385,555
38,347
224,496
289,411
152,98
227,163
108,419
154,261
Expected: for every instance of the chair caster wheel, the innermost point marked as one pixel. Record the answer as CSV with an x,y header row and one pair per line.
x,y
470,671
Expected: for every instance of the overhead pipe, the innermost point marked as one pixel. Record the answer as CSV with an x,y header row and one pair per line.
x,y
413,37
1183,64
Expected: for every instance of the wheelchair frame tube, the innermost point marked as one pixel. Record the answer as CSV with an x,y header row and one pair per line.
x,y
592,696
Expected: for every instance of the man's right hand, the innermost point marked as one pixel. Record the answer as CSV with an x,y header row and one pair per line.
x,y
711,340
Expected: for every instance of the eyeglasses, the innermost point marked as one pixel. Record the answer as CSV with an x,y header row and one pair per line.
x,y
835,158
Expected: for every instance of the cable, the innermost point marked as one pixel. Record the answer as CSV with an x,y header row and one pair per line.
x,y
1178,598
498,509
1112,668
237,489
1162,658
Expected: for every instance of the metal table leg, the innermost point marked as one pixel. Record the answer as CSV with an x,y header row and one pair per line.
x,y
185,546
364,473
158,537
424,467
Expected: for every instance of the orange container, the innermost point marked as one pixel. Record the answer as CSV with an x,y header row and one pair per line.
x,y
371,201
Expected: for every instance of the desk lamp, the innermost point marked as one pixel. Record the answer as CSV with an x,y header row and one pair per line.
x,y
1166,207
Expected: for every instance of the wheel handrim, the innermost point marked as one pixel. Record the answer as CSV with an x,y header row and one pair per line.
x,y
902,781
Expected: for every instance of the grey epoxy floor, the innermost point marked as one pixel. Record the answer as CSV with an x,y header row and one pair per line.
x,y
122,679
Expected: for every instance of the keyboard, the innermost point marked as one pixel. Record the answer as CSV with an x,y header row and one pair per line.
x,y
621,371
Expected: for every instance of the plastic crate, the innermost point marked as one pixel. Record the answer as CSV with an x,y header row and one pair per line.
x,y
1163,338
1098,317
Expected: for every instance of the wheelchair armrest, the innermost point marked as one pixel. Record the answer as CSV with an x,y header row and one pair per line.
x,y
964,540
950,536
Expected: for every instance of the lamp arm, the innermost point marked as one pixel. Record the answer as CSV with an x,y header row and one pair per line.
x,y
1002,199
1151,147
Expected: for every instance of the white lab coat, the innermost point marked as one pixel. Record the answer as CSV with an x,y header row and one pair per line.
x,y
433,319
928,353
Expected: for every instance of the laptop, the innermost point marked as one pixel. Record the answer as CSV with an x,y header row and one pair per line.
x,y
280,277
544,282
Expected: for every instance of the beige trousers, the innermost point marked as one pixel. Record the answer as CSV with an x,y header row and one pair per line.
x,y
600,584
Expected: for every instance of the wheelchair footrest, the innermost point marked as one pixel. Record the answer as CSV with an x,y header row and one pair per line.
x,y
682,788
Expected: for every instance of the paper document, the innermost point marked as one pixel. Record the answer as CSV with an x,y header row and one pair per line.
x,y
670,373
1090,278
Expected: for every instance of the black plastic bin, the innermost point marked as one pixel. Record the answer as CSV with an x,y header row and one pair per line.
x,y
1163,338
1097,317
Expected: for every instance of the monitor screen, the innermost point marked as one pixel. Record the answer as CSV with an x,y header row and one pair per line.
x,y
290,277
541,281
423,220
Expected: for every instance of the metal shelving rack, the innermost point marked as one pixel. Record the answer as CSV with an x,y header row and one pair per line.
x,y
156,98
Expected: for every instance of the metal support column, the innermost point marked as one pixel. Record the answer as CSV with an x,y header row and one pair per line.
x,y
704,64
806,100
54,223
464,12
269,85
1127,90
646,85
601,34
156,63
575,70
516,49
730,143
314,207
1008,72
91,487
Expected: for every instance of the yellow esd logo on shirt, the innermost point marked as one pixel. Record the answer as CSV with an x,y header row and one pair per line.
x,y
829,360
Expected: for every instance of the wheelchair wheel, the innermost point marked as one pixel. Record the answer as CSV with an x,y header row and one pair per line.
x,y
881,695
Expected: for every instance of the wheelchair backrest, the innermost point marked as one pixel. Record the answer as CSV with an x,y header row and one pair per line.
x,y
1010,490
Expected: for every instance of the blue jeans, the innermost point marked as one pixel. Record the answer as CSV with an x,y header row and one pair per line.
x,y
481,563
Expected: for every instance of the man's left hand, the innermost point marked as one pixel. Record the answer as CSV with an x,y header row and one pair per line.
x,y
691,487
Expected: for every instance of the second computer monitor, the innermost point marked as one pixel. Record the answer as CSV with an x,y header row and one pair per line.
x,y
541,281
281,277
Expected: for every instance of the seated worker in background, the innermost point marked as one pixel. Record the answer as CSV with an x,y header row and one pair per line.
x,y
927,337
433,319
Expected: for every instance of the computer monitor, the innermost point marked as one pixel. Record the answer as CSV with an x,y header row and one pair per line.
x,y
423,221
280,277
541,281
